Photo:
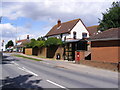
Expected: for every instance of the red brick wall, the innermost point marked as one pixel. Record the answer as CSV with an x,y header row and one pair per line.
x,y
105,51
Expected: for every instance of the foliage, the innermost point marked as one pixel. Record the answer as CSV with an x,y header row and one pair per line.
x,y
41,39
10,43
53,41
41,43
35,43
111,18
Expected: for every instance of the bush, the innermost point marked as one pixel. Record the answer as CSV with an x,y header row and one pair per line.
x,y
53,41
49,42
35,43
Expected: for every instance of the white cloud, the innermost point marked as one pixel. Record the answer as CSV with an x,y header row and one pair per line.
x,y
57,9
10,32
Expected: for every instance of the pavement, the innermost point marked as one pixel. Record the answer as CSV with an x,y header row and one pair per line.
x,y
24,73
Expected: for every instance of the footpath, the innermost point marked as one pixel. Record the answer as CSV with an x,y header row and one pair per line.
x,y
77,67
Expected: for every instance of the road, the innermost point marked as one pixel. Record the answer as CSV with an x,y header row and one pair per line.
x,y
25,73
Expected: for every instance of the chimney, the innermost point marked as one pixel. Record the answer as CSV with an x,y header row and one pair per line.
x,y
59,22
27,36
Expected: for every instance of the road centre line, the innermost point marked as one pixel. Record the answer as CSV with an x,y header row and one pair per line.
x,y
15,63
24,69
57,84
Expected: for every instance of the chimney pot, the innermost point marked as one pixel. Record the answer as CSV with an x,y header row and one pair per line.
x,y
27,36
59,22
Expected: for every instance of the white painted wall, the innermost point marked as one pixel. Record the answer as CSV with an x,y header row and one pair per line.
x,y
58,36
79,29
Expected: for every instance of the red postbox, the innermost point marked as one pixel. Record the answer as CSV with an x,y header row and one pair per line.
x,y
77,57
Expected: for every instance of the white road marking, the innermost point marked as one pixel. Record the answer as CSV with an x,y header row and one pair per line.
x,y
57,84
29,71
15,63
24,69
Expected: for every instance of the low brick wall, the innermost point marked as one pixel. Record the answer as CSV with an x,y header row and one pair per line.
x,y
28,51
104,65
42,52
60,51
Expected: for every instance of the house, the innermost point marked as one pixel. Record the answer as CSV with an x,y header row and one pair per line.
x,y
10,48
20,44
105,46
74,29
73,34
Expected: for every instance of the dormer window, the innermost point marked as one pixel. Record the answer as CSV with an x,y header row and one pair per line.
x,y
84,35
74,35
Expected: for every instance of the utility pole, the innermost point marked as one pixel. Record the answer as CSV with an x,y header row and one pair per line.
x,y
16,33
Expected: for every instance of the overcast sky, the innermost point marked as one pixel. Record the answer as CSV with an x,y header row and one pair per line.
x,y
22,17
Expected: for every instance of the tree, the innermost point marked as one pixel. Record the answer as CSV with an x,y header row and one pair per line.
x,y
41,38
33,43
53,41
10,43
111,18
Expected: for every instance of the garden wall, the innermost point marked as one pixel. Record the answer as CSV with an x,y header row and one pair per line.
x,y
28,51
42,51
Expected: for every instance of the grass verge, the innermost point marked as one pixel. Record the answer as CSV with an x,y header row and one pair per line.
x,y
26,57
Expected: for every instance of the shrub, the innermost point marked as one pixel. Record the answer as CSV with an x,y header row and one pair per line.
x,y
53,41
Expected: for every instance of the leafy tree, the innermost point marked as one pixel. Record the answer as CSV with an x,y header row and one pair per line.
x,y
53,41
10,43
35,43
111,18
41,38
39,43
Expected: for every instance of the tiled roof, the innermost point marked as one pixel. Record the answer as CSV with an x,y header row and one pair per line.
x,y
65,27
23,42
18,41
92,30
110,34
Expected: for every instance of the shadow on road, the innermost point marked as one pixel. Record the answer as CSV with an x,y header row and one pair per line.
x,y
8,59
20,83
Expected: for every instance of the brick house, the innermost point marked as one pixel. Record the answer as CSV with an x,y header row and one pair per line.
x,y
72,33
20,44
105,46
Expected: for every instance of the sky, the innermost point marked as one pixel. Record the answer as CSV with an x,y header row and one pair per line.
x,y
36,17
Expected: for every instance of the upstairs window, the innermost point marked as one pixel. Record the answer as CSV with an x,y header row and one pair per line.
x,y
74,35
84,35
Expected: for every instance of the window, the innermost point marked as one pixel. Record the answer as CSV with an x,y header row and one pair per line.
x,y
74,35
65,38
61,35
84,35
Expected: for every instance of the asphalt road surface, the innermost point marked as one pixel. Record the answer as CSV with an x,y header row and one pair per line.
x,y
25,73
